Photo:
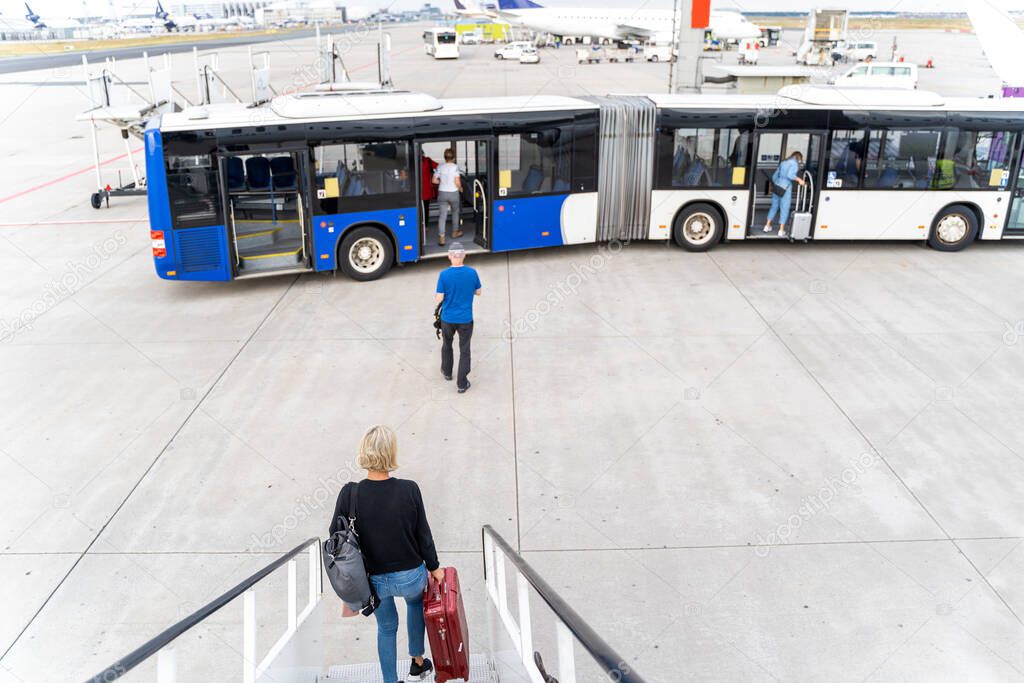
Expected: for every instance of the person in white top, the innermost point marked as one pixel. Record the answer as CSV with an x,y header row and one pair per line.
x,y
449,189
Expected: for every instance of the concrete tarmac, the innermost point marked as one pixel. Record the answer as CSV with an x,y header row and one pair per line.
x,y
764,462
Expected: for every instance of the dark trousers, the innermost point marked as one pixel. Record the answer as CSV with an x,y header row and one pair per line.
x,y
448,331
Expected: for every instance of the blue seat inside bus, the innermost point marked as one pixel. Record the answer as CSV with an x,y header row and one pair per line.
x,y
257,170
236,174
561,185
283,175
533,180
354,186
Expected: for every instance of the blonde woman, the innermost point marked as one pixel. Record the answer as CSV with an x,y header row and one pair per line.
x,y
397,547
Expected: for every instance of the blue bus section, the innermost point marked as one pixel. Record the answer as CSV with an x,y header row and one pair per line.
x,y
401,223
202,254
158,203
528,223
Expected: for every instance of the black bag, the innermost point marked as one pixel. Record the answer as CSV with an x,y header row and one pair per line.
x,y
343,562
778,190
437,321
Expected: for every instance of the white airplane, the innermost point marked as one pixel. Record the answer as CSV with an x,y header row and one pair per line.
x,y
651,25
1001,39
52,23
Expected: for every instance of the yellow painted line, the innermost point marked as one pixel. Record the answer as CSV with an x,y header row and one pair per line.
x,y
281,253
259,234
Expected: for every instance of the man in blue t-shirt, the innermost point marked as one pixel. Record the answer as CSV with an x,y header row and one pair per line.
x,y
456,287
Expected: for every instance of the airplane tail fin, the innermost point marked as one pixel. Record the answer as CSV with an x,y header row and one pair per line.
x,y
1001,39
517,4
30,15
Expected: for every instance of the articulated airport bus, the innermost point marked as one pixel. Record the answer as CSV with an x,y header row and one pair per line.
x,y
322,181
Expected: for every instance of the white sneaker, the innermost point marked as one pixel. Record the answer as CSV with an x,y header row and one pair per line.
x,y
782,233
767,228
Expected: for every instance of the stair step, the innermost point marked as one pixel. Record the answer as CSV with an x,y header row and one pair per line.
x,y
481,670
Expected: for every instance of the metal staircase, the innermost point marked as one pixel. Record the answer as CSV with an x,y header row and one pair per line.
x,y
506,652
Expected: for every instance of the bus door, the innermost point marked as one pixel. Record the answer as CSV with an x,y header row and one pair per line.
x,y
1015,214
267,210
475,159
770,149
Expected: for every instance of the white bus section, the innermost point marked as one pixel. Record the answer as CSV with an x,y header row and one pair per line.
x,y
512,646
906,213
441,43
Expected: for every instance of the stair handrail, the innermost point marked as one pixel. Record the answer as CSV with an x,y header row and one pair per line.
x,y
162,640
571,624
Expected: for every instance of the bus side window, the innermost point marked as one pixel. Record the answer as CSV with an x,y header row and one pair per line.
x,y
535,162
192,188
846,159
584,157
349,170
709,157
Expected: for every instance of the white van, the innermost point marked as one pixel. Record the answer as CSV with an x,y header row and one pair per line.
x,y
859,51
512,50
879,75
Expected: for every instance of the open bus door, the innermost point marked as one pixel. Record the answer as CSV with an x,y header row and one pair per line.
x,y
267,210
770,149
1015,212
475,159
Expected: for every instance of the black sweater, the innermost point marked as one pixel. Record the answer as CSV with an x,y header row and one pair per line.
x,y
392,525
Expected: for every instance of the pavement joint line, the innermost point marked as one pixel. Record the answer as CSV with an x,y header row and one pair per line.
x,y
145,473
512,382
878,450
103,221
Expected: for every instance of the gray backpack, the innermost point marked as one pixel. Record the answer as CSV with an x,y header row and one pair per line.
x,y
343,561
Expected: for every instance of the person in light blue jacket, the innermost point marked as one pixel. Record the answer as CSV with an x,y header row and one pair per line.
x,y
785,175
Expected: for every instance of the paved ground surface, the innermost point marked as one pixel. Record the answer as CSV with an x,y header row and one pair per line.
x,y
790,462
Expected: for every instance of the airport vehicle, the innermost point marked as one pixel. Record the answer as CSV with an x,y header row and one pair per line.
x,y
529,55
614,24
824,31
513,50
858,51
879,75
770,36
748,51
319,181
472,38
441,43
658,53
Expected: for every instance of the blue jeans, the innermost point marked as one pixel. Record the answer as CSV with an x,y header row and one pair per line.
x,y
408,585
780,205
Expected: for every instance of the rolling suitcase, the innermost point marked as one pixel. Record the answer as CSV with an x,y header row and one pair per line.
x,y
800,225
446,627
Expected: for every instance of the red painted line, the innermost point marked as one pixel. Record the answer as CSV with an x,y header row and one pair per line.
x,y
64,177
48,183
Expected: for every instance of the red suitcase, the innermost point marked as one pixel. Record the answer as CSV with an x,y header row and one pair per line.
x,y
446,627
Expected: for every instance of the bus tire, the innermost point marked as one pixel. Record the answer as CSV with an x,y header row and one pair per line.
x,y
365,253
954,228
698,227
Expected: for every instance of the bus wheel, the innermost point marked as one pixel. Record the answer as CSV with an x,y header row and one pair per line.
x,y
954,228
365,254
698,227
